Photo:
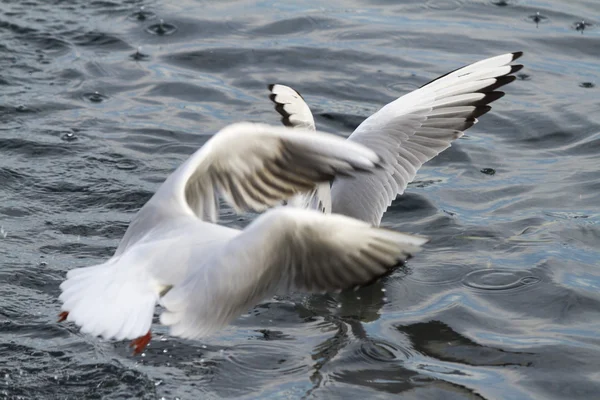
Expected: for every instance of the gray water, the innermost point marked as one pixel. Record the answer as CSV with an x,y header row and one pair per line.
x,y
503,304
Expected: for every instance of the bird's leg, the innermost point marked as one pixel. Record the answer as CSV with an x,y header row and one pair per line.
x,y
140,343
62,316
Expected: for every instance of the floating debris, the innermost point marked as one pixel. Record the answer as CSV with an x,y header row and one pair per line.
x,y
488,171
587,85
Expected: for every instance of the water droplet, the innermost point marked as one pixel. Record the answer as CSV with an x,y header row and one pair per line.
x,y
203,346
587,85
95,97
158,383
163,339
357,297
139,56
165,351
538,18
383,290
142,14
3,233
162,28
581,26
43,264
69,137
499,279
202,360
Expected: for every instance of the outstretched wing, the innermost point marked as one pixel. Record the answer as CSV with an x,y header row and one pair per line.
x,y
299,250
253,167
295,113
292,107
413,129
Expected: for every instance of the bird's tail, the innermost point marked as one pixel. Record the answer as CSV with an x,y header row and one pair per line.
x,y
114,300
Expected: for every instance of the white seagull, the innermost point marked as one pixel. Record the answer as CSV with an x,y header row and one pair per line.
x,y
205,275
406,133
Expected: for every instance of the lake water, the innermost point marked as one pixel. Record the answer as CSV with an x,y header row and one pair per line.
x,y
503,304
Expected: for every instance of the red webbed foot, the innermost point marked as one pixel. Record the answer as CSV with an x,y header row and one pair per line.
x,y
140,343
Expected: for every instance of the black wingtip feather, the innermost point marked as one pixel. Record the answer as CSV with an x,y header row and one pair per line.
x,y
272,85
500,81
480,110
515,68
517,54
469,122
489,98
285,116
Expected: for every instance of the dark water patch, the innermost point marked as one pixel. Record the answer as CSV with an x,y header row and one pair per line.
x,y
234,59
191,93
16,28
42,331
296,26
588,47
39,278
587,85
49,43
438,340
34,148
78,250
103,40
56,378
345,121
113,230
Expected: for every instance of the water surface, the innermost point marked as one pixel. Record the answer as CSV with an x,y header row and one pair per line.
x,y
503,304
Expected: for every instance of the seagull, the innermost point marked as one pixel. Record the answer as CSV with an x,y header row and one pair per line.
x,y
175,254
325,239
406,133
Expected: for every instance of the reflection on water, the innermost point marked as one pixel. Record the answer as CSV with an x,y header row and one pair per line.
x,y
101,100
